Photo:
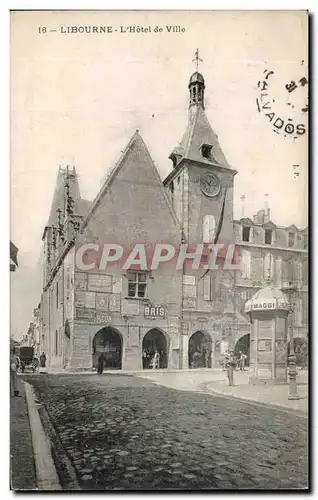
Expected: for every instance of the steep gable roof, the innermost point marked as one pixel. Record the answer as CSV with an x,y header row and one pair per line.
x,y
148,174
198,133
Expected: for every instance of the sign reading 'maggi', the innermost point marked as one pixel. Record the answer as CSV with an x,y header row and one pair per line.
x,y
155,311
268,304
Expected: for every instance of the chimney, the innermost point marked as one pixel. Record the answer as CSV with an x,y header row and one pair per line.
x,y
267,214
243,205
259,217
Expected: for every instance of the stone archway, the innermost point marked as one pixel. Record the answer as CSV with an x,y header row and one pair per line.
x,y
155,340
108,341
200,350
243,344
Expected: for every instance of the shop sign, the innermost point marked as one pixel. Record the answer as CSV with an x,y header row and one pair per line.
x,y
152,311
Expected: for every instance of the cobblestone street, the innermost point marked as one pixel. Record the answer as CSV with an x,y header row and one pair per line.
x,y
122,432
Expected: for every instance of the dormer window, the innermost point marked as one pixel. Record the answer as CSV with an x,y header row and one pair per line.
x,y
206,151
246,232
291,240
268,236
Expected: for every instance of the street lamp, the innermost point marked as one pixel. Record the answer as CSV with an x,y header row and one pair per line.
x,y
292,372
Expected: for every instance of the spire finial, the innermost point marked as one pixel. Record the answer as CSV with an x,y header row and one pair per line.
x,y
197,59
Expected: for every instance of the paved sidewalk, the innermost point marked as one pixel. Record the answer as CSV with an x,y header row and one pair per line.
x,y
272,395
215,381
22,466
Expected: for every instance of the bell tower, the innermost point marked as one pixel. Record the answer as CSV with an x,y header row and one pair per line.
x,y
200,185
196,85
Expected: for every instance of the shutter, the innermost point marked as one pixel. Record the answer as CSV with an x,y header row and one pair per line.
x,y
298,273
305,271
299,310
258,265
278,270
268,266
284,271
211,228
243,264
246,264
305,310
206,229
207,287
125,286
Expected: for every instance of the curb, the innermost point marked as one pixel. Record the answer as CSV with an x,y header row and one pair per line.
x,y
203,389
46,475
274,406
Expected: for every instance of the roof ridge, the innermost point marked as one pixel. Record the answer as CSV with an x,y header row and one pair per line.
x,y
161,184
116,168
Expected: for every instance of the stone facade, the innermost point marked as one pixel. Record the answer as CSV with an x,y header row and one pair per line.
x,y
86,312
284,262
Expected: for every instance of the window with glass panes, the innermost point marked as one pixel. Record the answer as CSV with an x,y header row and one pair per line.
x,y
137,283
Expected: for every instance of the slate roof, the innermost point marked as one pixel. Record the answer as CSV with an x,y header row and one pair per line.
x,y
199,132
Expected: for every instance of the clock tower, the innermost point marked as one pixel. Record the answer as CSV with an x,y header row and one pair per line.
x,y
200,185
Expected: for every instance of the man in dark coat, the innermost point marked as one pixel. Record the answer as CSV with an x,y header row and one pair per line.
x,y
42,360
100,366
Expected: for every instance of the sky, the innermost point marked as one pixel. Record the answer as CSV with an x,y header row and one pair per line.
x,y
77,99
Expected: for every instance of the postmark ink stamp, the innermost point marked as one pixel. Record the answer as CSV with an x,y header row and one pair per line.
x,y
284,103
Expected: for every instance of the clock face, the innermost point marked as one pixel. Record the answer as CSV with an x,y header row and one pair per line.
x,y
210,184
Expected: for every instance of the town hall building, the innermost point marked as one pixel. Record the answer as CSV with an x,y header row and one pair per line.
x,y
190,316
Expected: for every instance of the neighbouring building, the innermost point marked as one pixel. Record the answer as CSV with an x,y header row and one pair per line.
x,y
13,257
189,316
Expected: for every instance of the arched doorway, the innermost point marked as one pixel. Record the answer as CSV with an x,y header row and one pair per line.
x,y
200,349
108,341
243,344
154,340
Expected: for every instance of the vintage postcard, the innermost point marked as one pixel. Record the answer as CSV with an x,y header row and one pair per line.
x,y
159,250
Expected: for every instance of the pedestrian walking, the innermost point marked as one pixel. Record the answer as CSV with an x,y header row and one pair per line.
x,y
42,360
242,361
196,359
100,366
230,364
13,374
156,360
207,357
144,359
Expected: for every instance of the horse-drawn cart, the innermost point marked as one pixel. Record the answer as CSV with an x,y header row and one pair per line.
x,y
27,360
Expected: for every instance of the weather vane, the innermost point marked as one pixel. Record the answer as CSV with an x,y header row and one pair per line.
x,y
197,59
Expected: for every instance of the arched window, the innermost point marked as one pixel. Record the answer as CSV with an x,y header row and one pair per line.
x,y
208,228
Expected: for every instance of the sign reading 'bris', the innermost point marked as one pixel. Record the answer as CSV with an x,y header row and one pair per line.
x,y
154,312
